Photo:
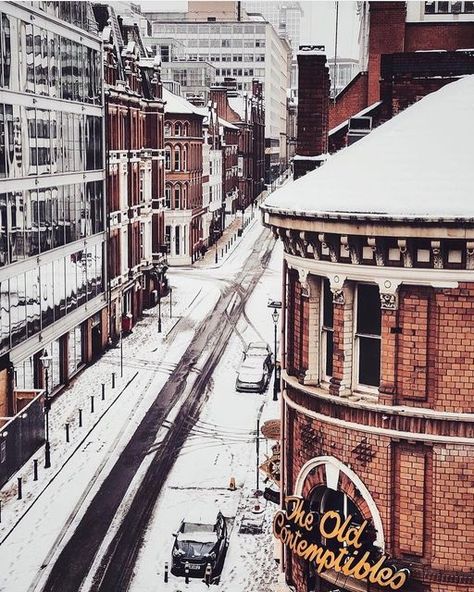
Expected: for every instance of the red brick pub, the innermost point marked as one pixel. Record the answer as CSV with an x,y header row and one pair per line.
x,y
378,347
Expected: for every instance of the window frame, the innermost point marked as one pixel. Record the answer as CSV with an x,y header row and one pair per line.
x,y
356,336
324,332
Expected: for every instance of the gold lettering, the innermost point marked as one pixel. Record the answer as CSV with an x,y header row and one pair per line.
x,y
346,568
353,535
398,579
302,546
278,522
313,553
326,561
322,525
384,576
337,566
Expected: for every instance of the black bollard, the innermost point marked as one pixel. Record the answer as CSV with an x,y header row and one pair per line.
x,y
67,432
19,496
80,418
186,572
165,577
103,391
92,403
113,380
35,469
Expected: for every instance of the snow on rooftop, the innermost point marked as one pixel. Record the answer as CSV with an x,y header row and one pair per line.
x,y
237,104
176,104
417,165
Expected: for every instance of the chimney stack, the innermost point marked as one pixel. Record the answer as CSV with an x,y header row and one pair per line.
x,y
313,109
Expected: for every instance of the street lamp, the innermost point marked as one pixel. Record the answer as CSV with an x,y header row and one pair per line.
x,y
158,275
275,317
46,361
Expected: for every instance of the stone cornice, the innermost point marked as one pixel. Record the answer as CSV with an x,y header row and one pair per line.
x,y
395,422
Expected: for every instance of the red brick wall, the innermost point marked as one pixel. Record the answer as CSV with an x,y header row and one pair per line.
x,y
387,35
349,101
313,93
448,36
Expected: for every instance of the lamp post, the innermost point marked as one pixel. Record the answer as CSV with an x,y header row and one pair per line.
x,y
46,361
275,317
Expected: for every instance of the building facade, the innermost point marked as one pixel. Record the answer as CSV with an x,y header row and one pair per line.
x,y
135,170
184,183
245,50
52,203
377,419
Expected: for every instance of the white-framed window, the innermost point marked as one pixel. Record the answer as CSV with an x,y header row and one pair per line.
x,y
177,196
167,158
442,7
168,196
177,159
167,129
178,129
184,158
367,337
327,330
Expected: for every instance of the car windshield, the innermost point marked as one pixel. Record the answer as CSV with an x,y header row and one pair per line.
x,y
195,549
194,527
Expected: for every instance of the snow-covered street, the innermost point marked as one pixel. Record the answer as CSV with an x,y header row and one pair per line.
x,y
221,444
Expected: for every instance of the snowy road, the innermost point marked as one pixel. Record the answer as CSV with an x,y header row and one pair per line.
x,y
202,355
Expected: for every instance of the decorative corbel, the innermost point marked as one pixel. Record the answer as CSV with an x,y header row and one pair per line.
x,y
336,283
378,251
405,252
389,294
437,254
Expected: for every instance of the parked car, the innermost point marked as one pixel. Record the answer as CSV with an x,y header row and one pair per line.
x,y
255,369
199,543
259,349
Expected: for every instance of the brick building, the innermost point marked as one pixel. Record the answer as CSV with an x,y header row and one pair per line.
x,y
183,172
377,353
402,28
135,171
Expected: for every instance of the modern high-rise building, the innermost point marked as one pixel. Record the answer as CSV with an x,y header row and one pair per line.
x,y
245,48
286,19
52,234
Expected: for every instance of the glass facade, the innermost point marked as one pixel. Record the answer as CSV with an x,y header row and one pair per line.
x,y
33,300
35,221
39,142
38,61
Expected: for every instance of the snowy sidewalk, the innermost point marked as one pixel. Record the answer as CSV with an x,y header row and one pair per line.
x,y
54,502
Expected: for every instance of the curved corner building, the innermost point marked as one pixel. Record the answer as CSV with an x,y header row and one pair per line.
x,y
378,355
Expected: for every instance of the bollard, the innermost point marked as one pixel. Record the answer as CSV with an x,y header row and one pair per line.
x,y
35,469
208,575
222,252
186,573
226,248
80,418
103,391
232,486
67,432
165,578
19,496
113,380
92,403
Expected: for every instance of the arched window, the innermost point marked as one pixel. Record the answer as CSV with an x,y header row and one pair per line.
x,y
185,196
177,159
167,158
167,129
177,196
168,195
178,129
186,129
185,158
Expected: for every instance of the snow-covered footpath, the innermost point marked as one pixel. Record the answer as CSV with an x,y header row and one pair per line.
x,y
222,444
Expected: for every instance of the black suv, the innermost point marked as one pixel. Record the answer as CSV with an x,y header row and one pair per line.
x,y
199,544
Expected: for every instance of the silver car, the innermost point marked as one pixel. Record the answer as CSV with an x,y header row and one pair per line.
x,y
255,369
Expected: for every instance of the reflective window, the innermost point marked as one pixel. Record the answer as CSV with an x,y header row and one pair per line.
x,y
4,316
32,301
3,229
327,332
17,309
47,294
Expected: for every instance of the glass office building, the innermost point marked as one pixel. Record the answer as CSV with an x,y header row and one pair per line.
x,y
52,233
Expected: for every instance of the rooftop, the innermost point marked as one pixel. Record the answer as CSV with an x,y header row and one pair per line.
x,y
418,165
176,104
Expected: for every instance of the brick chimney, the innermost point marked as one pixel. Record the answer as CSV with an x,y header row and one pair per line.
x,y
386,35
218,95
313,109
